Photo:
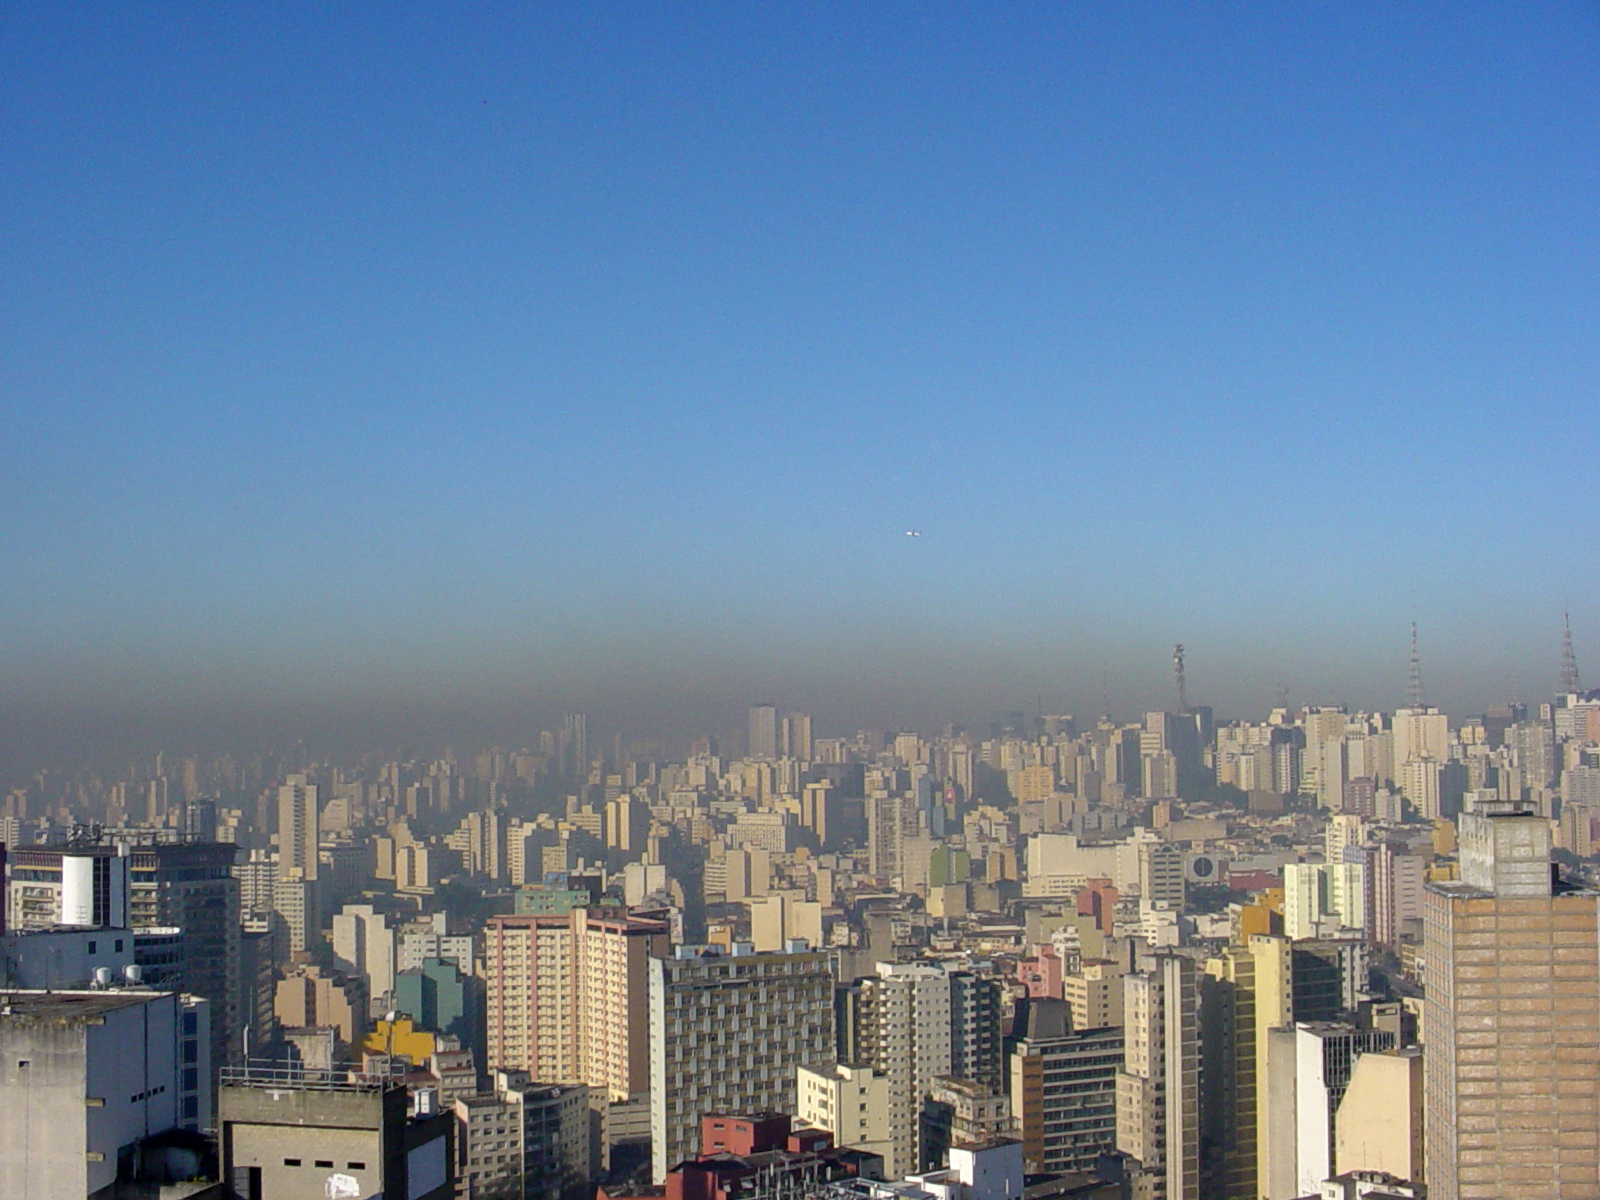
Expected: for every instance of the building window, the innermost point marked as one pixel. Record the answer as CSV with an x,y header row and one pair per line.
x,y
325,1163
291,1162
355,1166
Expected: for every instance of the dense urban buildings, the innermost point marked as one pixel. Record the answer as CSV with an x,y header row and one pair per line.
x,y
1171,958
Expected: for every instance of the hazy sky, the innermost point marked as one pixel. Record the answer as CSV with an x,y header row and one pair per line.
x,y
414,358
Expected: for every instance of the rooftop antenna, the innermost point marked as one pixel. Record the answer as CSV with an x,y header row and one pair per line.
x,y
1570,684
1177,672
1414,694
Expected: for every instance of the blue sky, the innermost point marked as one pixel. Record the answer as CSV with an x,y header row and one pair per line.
x,y
601,355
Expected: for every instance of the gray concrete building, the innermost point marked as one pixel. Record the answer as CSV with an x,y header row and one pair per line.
x,y
728,1033
89,1080
298,1135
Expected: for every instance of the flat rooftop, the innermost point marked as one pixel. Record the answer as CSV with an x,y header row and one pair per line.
x,y
69,1006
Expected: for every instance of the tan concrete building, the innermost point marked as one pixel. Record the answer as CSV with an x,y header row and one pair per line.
x,y
852,1103
1063,1087
311,997
568,998
728,1034
1158,1100
1379,1126
1512,970
1095,994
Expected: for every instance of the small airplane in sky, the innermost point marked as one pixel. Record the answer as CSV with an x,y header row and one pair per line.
x,y
913,533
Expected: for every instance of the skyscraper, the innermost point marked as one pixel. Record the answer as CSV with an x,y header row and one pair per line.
x,y
297,828
567,998
917,1022
1063,1087
1158,1088
764,731
1512,966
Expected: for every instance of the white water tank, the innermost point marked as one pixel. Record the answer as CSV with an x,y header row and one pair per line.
x,y
77,889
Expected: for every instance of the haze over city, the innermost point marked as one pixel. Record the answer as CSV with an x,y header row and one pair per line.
x,y
706,601
397,371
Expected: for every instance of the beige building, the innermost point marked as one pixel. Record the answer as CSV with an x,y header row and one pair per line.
x,y
524,1141
1095,994
568,998
852,1103
1158,1120
1512,970
297,828
1379,1126
310,998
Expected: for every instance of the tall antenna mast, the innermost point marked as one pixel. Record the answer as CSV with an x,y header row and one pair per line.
x,y
1570,684
1177,672
1414,695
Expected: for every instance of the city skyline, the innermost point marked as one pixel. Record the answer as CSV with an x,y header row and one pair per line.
x,y
339,726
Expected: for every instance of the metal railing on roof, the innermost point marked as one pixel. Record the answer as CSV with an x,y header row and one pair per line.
x,y
265,1073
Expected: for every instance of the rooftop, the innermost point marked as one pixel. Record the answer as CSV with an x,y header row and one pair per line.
x,y
69,1006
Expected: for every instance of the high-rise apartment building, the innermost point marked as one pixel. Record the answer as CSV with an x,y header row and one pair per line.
x,y
1158,1088
1512,962
523,1141
764,731
852,1103
914,1023
298,832
363,942
1321,898
728,1034
568,998
1247,990
1161,881
1063,1087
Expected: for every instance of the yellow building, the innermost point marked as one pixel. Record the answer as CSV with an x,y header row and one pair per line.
x,y
400,1038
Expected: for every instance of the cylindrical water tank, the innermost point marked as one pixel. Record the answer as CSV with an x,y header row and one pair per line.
x,y
103,977
77,889
133,972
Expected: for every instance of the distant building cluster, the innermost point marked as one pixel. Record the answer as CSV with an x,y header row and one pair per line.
x,y
1326,954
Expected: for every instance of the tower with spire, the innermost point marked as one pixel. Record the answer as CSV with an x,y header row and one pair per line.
x,y
1415,699
1570,683
1177,673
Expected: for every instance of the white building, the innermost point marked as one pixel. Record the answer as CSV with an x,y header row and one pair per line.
x,y
1308,1068
364,944
1321,898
